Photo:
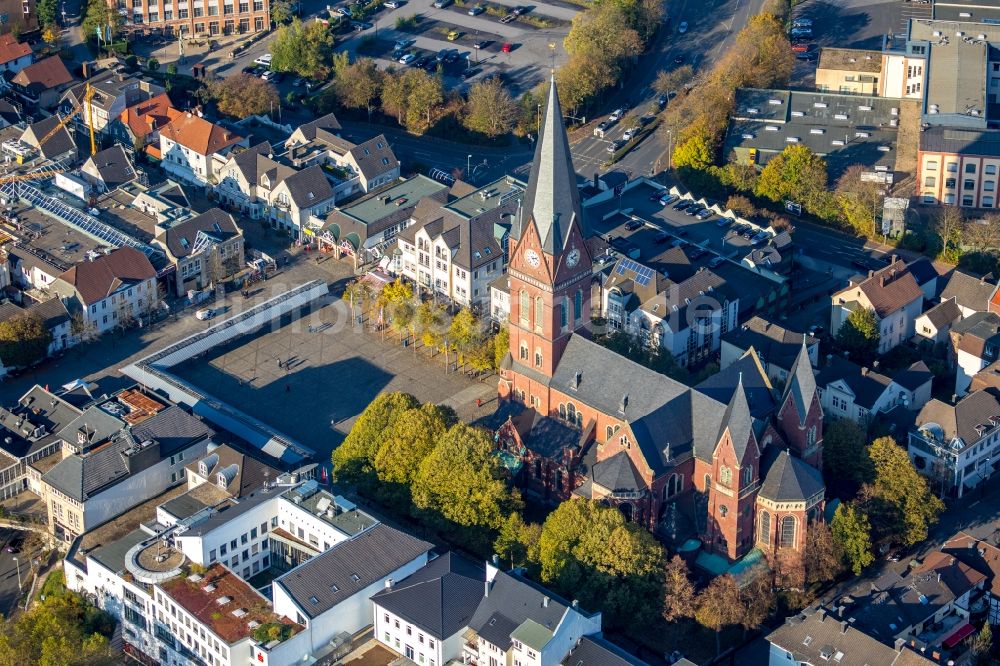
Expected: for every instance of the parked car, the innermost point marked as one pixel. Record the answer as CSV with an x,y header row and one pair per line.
x,y
395,4
661,238
469,73
204,314
616,115
476,10
630,133
614,146
632,225
704,214
507,47
809,56
441,55
344,11
403,43
268,76
716,261
682,204
452,55
601,128
441,4
508,18
816,330
802,23
249,69
453,35
520,9
662,101
693,210
682,27
722,222
481,44
422,61
264,60
407,59
697,252
668,199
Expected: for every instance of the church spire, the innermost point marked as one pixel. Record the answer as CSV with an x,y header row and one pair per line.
x,y
801,385
552,199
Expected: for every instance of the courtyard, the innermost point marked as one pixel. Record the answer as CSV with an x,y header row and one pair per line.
x,y
311,378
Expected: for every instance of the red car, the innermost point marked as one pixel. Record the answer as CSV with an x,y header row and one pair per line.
x,y
800,48
507,47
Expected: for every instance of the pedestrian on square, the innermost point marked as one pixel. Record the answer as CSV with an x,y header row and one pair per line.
x,y
288,388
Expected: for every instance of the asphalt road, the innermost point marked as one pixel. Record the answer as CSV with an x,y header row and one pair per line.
x,y
9,593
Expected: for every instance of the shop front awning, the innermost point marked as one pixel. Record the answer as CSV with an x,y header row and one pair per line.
x,y
959,635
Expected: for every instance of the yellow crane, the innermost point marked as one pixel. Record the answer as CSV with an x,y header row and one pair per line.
x,y
87,101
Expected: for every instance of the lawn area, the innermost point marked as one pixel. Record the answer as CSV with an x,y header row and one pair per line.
x,y
54,586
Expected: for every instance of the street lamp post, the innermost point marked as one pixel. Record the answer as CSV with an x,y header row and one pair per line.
x,y
468,167
17,564
670,150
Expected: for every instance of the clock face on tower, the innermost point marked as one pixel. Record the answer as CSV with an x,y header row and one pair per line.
x,y
532,258
573,258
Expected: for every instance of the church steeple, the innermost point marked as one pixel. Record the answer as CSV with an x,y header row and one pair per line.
x,y
552,200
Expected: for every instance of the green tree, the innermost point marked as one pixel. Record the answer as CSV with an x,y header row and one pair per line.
x,y
981,645
949,226
694,154
501,345
282,11
431,323
678,590
490,109
588,551
425,94
395,92
244,95
462,481
796,174
859,335
603,36
354,459
757,598
410,440
851,531
844,459
518,541
358,85
465,333
719,606
47,11
99,14
24,339
303,48
672,81
860,201
906,507
61,631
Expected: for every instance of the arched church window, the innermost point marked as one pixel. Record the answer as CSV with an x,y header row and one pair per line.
x,y
725,476
723,510
811,436
524,307
524,351
539,313
578,305
787,539
764,532
747,473
538,358
562,411
571,412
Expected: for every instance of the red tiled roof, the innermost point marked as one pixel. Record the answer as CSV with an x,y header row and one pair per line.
x,y
95,280
198,134
144,117
11,49
48,73
202,604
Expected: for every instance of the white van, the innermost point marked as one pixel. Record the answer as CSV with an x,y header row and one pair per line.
x,y
205,314
264,60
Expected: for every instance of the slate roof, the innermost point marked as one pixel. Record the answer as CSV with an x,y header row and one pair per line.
x,y
960,420
114,166
923,270
374,157
595,651
474,242
512,600
777,344
95,423
891,288
370,556
944,313
97,279
552,199
738,421
251,474
914,376
52,312
866,385
173,428
256,162
43,75
439,598
327,123
815,632
978,334
60,142
309,187
198,134
801,383
760,394
617,473
969,291
789,479
180,238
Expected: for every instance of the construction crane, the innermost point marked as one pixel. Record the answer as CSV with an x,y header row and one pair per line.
x,y
87,101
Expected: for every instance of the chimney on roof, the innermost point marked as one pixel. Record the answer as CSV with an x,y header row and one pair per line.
x,y
388,583
875,364
894,258
623,405
871,273
576,380
545,602
864,372
189,114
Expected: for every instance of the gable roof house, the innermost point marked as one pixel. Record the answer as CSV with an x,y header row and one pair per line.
x,y
54,317
934,325
111,93
975,343
194,149
953,443
248,178
139,124
204,248
249,476
894,295
850,391
111,290
119,453
971,293
357,168
301,201
331,592
42,82
776,346
984,557
58,147
14,55
109,169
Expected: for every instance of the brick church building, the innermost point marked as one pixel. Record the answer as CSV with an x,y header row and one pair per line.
x,y
584,421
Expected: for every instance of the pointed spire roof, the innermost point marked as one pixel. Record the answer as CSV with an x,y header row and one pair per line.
x,y
789,479
801,383
738,420
552,199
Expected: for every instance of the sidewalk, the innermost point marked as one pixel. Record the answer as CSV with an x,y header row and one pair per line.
x,y
213,52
